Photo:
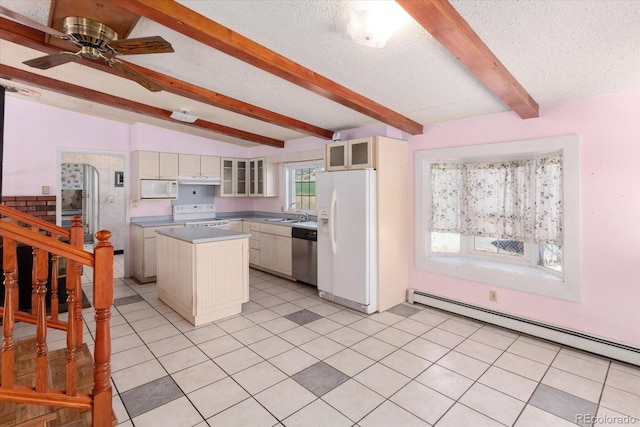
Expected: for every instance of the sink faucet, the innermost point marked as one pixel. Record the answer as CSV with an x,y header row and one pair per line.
x,y
299,214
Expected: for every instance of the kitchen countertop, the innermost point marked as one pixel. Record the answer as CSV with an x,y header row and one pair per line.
x,y
167,220
155,222
197,235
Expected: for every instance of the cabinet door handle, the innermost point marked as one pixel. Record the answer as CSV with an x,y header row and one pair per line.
x,y
332,227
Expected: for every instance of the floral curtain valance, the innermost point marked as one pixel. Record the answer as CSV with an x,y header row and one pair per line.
x,y
518,200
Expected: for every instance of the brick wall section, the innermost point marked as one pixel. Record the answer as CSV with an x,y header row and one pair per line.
x,y
43,207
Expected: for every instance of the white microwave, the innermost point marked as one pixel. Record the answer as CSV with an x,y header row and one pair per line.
x,y
158,189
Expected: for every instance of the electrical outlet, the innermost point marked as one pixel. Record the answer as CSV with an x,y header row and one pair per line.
x,y
493,296
45,189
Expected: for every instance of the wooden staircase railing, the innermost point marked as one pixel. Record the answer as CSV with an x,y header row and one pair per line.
x,y
45,238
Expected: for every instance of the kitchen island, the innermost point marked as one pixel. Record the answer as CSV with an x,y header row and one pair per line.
x,y
202,272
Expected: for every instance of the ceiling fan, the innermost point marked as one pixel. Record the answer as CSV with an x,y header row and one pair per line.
x,y
96,41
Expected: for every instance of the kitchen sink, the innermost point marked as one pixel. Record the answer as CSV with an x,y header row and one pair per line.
x,y
283,220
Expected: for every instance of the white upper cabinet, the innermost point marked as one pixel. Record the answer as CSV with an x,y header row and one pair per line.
x,y
234,177
195,165
154,165
335,156
263,178
352,154
148,164
189,165
210,165
168,165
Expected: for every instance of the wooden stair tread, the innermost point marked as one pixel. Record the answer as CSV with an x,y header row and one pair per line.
x,y
15,413
38,421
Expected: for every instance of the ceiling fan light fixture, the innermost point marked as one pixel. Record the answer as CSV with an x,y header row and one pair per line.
x,y
183,116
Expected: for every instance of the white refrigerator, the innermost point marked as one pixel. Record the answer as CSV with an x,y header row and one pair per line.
x,y
347,238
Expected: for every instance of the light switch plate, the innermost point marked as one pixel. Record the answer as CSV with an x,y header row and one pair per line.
x,y
45,189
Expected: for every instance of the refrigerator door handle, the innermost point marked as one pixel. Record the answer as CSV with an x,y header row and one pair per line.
x,y
332,216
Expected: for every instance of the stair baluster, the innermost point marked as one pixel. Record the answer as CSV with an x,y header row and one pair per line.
x,y
71,366
75,275
54,287
40,263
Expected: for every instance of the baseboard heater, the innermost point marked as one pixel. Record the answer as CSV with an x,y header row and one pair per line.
x,y
610,349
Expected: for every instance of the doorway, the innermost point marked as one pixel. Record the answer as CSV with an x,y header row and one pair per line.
x,y
102,201
79,196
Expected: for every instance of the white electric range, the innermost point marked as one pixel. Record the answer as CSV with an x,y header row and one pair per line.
x,y
198,215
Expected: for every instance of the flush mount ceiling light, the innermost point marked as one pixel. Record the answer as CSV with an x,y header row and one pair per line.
x,y
374,24
183,116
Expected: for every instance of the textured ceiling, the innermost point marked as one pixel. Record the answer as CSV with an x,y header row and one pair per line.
x,y
558,50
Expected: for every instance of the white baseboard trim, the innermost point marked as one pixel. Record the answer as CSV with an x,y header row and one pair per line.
x,y
600,346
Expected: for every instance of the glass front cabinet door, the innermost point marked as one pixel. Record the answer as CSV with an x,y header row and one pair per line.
x,y
234,178
352,154
227,178
256,177
336,156
242,189
361,154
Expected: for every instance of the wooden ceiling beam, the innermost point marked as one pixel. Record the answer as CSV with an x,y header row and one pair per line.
x,y
35,39
210,97
447,26
173,15
58,86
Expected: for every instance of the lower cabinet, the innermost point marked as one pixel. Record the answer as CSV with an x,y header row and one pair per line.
x,y
235,225
253,228
275,248
283,254
207,282
144,252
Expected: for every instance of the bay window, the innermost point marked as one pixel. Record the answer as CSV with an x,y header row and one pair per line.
x,y
503,214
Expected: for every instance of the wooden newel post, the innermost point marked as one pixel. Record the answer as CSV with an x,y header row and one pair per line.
x,y
10,282
74,274
102,301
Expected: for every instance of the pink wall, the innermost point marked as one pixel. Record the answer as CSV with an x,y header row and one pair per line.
x,y
33,132
610,205
609,127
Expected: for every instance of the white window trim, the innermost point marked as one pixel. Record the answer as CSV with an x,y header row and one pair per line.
x,y
508,275
290,184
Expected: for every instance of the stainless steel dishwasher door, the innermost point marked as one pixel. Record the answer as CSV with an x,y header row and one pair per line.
x,y
304,255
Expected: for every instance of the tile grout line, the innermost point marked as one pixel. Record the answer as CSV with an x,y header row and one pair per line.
x,y
182,331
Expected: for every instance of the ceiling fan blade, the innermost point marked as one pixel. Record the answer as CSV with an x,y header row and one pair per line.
x,y
134,75
31,23
142,45
53,60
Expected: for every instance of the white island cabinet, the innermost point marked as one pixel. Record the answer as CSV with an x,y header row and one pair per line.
x,y
203,273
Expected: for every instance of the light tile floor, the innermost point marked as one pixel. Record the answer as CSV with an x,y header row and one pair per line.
x,y
293,359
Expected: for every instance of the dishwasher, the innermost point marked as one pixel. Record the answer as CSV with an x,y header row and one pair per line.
x,y
304,255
